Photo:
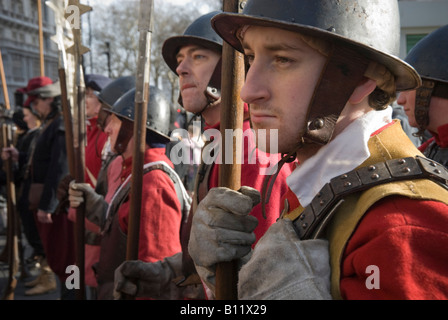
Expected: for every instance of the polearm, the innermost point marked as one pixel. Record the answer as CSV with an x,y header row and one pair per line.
x,y
58,38
232,113
79,142
12,238
141,101
41,38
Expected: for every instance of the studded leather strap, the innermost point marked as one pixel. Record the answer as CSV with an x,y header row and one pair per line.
x,y
313,219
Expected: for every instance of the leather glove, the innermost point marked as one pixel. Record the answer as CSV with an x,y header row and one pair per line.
x,y
154,280
95,204
63,186
222,229
283,267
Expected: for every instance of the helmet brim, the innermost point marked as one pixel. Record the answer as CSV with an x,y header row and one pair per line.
x,y
227,25
172,45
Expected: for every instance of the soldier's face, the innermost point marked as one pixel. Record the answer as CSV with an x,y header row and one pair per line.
x,y
280,82
93,105
113,125
195,68
407,100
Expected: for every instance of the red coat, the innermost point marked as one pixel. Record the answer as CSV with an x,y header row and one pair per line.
x,y
96,139
161,213
409,249
407,239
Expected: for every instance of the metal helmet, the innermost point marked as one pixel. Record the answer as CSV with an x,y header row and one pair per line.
x,y
370,27
110,94
115,89
358,31
430,58
199,32
158,116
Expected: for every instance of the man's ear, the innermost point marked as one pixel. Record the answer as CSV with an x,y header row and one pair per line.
x,y
362,90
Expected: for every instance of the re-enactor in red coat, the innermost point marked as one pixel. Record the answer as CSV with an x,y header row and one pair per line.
x,y
161,215
370,214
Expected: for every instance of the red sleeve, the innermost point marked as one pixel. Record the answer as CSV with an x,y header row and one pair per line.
x,y
160,218
407,240
425,144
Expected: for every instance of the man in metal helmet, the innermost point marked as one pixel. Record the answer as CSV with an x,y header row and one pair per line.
x,y
426,107
195,57
322,74
161,213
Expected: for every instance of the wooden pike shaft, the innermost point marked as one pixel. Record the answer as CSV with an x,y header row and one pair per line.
x,y
41,38
232,110
4,86
141,100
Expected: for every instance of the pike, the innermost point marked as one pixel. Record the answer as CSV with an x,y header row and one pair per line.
x,y
12,236
41,38
232,113
141,100
79,142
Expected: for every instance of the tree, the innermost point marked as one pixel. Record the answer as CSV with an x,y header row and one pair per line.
x,y
116,24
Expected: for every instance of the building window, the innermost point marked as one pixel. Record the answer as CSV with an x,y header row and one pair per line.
x,y
412,39
17,68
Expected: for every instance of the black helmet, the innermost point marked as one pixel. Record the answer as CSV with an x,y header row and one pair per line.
x,y
430,58
158,116
430,55
358,32
371,27
199,32
115,89
110,94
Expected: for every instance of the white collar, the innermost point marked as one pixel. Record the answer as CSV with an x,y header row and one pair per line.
x,y
346,152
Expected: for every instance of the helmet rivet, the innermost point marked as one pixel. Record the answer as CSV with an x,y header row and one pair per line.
x,y
331,29
318,123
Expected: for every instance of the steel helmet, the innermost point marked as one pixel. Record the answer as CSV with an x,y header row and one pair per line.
x,y
358,31
199,32
115,89
430,58
158,116
110,94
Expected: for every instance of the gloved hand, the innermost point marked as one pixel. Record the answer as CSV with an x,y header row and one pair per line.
x,y
63,186
283,267
222,229
153,280
96,206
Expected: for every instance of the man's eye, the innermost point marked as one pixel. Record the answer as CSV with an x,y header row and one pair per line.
x,y
283,60
249,59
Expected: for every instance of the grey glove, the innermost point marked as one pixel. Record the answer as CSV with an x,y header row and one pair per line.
x,y
154,280
96,206
283,267
222,229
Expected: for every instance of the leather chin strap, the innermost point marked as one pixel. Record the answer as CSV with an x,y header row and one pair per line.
x,y
123,137
423,95
344,66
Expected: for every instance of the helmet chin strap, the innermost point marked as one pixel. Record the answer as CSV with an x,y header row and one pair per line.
x,y
213,91
344,66
423,95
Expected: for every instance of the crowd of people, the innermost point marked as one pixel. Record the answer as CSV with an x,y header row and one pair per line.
x,y
352,194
